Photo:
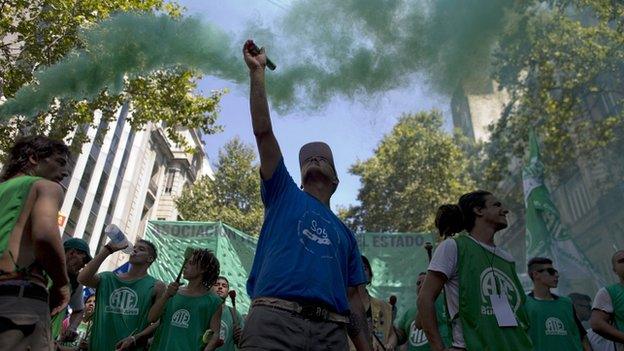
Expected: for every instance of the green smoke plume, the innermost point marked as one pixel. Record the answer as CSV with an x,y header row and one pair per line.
x,y
129,44
362,47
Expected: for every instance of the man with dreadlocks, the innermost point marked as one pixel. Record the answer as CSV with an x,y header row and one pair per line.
x,y
30,244
186,313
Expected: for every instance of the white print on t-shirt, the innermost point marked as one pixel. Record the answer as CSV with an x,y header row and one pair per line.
x,y
554,326
317,234
181,318
224,332
417,337
123,301
490,278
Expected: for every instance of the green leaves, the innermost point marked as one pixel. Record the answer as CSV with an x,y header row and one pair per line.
x,y
415,168
233,197
42,32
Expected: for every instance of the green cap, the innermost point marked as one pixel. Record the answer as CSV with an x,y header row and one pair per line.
x,y
78,244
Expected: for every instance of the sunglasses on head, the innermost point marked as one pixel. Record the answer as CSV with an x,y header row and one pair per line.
x,y
550,271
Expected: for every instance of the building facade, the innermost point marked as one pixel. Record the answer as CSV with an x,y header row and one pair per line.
x,y
126,177
587,195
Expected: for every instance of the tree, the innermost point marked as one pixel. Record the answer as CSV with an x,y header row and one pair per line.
x,y
40,32
415,168
563,67
233,196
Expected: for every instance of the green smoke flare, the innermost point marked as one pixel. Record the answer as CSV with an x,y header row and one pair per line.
x,y
128,44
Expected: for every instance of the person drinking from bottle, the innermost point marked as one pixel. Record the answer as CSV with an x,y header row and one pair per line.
x,y
484,296
553,322
231,319
186,312
123,300
30,243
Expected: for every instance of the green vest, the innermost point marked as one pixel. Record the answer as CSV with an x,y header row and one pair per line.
x,y
481,274
416,338
121,309
616,291
227,329
553,326
13,194
184,322
56,324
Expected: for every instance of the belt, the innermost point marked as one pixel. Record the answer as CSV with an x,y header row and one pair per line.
x,y
308,311
29,291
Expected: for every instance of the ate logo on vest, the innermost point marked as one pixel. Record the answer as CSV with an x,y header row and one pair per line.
x,y
492,277
224,332
123,301
181,318
554,326
417,337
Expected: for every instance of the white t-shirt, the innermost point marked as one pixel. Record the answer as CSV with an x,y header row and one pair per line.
x,y
444,260
603,302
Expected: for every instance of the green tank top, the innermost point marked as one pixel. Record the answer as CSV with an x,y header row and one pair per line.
x,y
13,194
553,327
616,291
121,309
227,329
416,338
184,322
481,274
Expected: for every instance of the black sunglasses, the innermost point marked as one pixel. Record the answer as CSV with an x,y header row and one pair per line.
x,y
550,271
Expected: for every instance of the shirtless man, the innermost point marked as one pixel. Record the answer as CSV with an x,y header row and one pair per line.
x,y
30,243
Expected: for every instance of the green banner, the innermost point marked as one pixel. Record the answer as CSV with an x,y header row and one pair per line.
x,y
547,237
396,258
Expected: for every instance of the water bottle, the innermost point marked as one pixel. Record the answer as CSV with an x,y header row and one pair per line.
x,y
116,236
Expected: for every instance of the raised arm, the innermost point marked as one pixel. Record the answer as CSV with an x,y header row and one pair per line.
x,y
159,305
427,316
268,148
88,275
47,241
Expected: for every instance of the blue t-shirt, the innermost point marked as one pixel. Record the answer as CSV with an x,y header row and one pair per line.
x,y
304,253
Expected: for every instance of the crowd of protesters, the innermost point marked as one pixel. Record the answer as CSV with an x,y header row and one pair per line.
x,y
308,282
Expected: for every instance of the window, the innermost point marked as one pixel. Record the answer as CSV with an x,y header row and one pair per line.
x,y
171,173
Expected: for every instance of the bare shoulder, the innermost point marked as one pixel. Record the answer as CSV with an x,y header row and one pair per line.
x,y
48,188
159,287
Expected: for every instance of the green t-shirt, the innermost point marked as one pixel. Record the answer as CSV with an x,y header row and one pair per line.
x,y
227,329
184,321
616,292
416,338
553,327
121,309
481,275
13,194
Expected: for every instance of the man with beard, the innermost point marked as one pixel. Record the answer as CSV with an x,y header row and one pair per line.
x,y
484,296
76,257
124,300
306,280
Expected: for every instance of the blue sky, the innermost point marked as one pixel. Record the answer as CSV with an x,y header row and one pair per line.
x,y
351,128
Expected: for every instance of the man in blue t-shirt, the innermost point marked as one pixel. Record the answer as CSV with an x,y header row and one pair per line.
x,y
307,274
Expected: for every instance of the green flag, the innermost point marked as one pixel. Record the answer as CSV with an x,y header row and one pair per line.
x,y
396,258
546,236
